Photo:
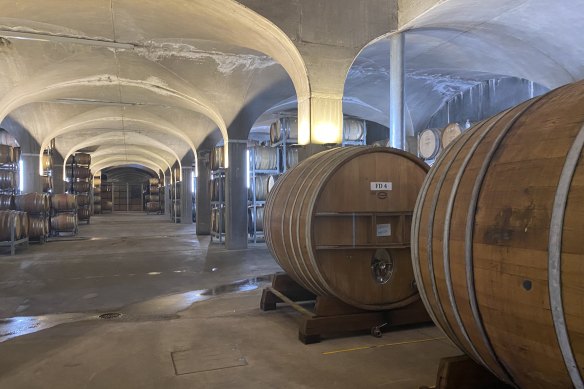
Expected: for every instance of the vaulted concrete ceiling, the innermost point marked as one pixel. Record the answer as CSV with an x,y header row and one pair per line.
x,y
165,78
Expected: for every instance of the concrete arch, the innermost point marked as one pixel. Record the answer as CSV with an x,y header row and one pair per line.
x,y
122,161
93,121
132,154
108,138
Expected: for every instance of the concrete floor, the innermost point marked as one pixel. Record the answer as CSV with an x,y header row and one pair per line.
x,y
190,319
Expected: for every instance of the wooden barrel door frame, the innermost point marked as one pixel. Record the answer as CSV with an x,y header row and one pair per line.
x,y
309,180
446,283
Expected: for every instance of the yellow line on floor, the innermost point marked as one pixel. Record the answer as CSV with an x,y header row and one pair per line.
x,y
381,345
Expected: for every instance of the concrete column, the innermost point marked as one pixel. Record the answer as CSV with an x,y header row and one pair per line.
x,y
236,196
397,133
32,179
58,183
203,195
186,196
167,200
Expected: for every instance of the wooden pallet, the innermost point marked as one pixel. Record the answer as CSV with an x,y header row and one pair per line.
x,y
332,316
461,372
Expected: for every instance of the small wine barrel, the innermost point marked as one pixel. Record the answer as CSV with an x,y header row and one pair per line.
x,y
217,158
497,242
218,189
106,206
338,223
177,208
97,208
63,202
47,183
291,157
6,218
16,153
7,180
353,129
152,207
96,199
429,143
34,203
6,202
252,220
83,213
154,181
22,220
261,188
284,128
266,158
215,214
6,154
83,200
37,227
47,163
81,186
450,133
64,222
82,159
78,172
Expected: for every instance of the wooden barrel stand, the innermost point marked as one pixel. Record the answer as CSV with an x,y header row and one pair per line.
x,y
327,315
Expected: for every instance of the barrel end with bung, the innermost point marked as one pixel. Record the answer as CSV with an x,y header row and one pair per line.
x,y
337,234
497,242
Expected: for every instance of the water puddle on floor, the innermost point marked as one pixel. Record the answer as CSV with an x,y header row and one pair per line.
x,y
23,325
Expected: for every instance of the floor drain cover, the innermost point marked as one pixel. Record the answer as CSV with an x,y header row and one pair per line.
x,y
110,315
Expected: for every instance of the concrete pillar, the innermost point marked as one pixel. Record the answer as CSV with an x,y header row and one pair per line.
x,y
236,196
167,200
30,174
58,183
203,195
397,133
186,196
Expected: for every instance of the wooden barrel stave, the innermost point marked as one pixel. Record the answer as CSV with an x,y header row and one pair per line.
x,y
37,227
509,210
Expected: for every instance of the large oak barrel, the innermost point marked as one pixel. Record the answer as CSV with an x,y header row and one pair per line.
x,y
64,222
32,203
339,224
83,213
63,202
497,242
97,208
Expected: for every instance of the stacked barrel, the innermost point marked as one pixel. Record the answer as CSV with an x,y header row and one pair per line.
x,y
37,206
217,190
153,197
96,195
79,177
432,141
13,225
9,163
47,177
264,168
63,214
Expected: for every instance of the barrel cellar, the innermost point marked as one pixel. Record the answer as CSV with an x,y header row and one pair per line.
x,y
339,225
497,242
